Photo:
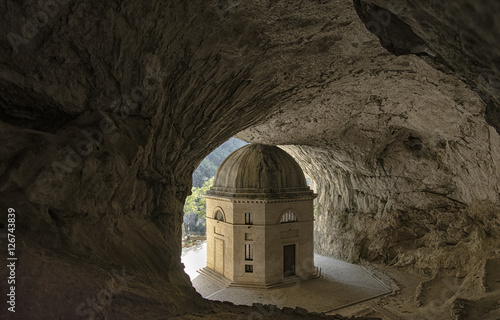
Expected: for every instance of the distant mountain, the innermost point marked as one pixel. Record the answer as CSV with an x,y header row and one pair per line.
x,y
207,168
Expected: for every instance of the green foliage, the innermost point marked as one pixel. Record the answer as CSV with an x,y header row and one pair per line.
x,y
196,202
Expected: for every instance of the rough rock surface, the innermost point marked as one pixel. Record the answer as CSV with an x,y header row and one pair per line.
x,y
391,158
107,107
463,36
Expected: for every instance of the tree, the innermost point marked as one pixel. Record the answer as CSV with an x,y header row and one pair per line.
x,y
196,202
195,209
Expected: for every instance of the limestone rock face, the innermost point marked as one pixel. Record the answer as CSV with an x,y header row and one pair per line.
x,y
390,157
107,107
462,36
387,148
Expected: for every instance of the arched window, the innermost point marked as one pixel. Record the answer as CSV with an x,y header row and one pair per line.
x,y
219,215
288,216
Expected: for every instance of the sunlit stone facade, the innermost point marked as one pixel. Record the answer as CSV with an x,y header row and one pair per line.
x,y
260,219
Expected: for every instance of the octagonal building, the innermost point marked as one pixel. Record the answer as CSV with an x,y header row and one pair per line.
x,y
260,219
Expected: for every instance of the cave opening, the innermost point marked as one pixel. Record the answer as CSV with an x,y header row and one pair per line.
x,y
297,280
194,221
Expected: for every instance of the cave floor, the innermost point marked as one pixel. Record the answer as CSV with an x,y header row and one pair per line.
x,y
433,297
343,284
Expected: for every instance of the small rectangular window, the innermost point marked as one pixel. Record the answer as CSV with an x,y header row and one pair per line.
x,y
248,252
249,268
248,218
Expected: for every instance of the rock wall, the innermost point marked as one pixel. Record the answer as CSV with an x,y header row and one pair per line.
x,y
454,35
106,108
392,162
389,145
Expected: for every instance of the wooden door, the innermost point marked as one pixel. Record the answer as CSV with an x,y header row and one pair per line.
x,y
289,260
219,256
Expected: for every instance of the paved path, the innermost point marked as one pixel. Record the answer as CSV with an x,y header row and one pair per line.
x,y
344,284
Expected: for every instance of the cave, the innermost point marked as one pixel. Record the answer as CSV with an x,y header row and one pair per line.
x,y
391,107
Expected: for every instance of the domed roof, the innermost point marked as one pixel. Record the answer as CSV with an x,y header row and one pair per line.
x,y
260,171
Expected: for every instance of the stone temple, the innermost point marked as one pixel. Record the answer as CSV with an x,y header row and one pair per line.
x,y
260,219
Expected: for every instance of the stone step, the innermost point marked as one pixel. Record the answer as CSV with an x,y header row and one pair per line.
x,y
215,277
223,281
